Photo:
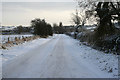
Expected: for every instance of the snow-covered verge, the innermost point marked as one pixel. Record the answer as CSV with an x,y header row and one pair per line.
x,y
107,43
107,63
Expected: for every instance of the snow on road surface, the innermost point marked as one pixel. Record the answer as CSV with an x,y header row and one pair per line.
x,y
58,57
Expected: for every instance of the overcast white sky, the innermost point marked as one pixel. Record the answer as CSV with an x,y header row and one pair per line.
x,y
21,13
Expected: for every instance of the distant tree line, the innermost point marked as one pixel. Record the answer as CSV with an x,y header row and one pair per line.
x,y
20,29
58,29
41,27
17,30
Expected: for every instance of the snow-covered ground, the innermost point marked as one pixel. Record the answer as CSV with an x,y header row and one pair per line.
x,y
13,52
12,37
59,56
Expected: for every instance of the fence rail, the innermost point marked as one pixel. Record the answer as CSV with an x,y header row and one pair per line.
x,y
8,41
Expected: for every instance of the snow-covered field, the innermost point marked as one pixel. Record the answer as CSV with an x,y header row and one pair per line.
x,y
59,56
12,37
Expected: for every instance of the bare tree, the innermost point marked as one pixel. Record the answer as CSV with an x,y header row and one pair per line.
x,y
79,20
76,19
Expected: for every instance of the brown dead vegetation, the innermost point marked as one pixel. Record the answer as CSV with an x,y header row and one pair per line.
x,y
17,41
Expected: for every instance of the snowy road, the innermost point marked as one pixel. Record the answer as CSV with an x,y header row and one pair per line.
x,y
57,58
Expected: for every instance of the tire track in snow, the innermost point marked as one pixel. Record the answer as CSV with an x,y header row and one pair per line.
x,y
55,66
